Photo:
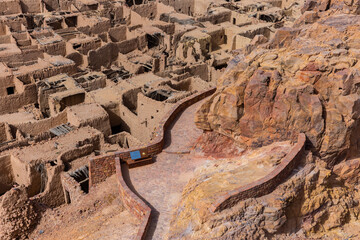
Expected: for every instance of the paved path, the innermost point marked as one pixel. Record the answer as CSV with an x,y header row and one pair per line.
x,y
160,184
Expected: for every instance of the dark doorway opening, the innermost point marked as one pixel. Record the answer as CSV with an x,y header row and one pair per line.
x,y
81,175
153,40
10,90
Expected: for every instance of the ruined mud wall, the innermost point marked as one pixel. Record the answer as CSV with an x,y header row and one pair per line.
x,y
71,188
216,18
53,195
50,71
98,28
11,103
37,127
102,167
6,177
31,6
184,6
148,10
103,56
10,7
118,34
58,48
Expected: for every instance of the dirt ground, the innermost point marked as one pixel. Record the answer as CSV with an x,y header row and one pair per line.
x,y
98,215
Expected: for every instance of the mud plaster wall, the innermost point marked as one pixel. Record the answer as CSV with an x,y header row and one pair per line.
x,y
5,39
47,72
97,118
12,170
25,55
10,7
15,24
58,48
118,34
71,189
217,38
79,152
6,176
184,6
90,44
31,6
124,138
37,127
150,112
98,28
132,122
43,97
201,7
103,56
5,132
5,82
53,194
148,10
200,70
20,171
11,103
216,18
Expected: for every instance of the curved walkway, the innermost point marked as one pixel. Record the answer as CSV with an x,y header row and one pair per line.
x,y
160,184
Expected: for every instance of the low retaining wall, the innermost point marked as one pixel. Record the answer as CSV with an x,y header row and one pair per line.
x,y
266,184
102,167
133,203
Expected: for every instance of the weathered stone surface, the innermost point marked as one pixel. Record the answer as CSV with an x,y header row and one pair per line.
x,y
306,79
309,204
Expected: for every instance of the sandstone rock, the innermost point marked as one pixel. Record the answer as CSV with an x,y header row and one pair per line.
x,y
348,171
310,201
303,80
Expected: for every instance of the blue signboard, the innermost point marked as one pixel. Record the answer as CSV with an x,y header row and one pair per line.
x,y
135,155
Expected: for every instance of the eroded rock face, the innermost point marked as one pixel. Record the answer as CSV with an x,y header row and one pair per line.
x,y
307,205
306,79
17,215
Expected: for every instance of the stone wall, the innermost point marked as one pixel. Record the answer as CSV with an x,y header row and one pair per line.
x,y
101,168
133,203
266,184
71,189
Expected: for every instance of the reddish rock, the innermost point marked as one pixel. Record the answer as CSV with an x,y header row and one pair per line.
x,y
305,79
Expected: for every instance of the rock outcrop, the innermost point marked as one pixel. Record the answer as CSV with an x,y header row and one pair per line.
x,y
17,215
311,203
305,79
